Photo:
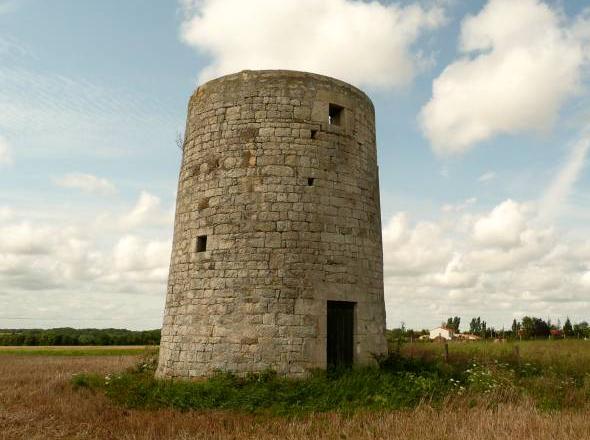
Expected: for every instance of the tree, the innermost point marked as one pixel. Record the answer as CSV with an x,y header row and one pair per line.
x,y
453,323
475,325
456,323
515,327
568,330
581,329
71,336
534,327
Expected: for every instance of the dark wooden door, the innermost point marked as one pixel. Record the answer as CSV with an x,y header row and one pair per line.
x,y
340,327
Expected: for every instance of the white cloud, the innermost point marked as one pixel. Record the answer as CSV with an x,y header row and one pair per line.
x,y
65,273
502,227
409,251
487,176
5,152
87,183
455,276
23,238
132,253
520,62
54,255
561,186
147,211
365,43
509,262
585,279
532,244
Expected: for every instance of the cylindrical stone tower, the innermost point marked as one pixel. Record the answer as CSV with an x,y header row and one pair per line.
x,y
277,257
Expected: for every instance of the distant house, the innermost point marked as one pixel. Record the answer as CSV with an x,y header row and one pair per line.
x,y
446,334
467,337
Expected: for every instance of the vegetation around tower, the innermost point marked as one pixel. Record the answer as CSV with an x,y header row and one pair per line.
x,y
550,375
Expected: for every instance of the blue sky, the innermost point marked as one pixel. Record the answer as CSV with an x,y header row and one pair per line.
x,y
481,109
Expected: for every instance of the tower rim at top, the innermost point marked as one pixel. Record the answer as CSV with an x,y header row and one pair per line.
x,y
284,73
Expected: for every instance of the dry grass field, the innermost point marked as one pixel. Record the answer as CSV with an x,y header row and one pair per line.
x,y
73,350
37,401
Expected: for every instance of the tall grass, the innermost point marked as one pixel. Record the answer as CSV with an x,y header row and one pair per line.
x,y
73,350
37,403
554,374
345,390
551,375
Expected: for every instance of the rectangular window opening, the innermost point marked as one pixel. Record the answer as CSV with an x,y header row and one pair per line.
x,y
335,114
310,181
201,243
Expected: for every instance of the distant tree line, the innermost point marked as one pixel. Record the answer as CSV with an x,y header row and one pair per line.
x,y
529,327
72,336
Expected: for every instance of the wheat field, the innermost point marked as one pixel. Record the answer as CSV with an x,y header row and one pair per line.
x,y
37,401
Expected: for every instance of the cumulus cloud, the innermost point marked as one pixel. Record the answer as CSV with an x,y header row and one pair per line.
x,y
455,274
409,250
132,253
502,227
5,152
64,274
64,256
147,210
520,61
87,183
507,260
23,238
365,43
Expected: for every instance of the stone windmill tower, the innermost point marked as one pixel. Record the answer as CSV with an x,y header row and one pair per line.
x,y
277,256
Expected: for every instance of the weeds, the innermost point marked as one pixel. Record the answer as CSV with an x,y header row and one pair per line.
x,y
398,382
36,402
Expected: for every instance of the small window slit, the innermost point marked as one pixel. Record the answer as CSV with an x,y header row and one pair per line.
x,y
201,243
335,114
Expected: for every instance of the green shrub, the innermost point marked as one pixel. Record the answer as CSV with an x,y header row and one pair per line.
x,y
395,384
400,381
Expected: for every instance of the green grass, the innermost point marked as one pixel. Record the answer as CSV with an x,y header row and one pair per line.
x,y
571,356
71,351
346,390
552,375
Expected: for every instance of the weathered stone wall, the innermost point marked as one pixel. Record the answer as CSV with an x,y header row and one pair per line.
x,y
290,207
